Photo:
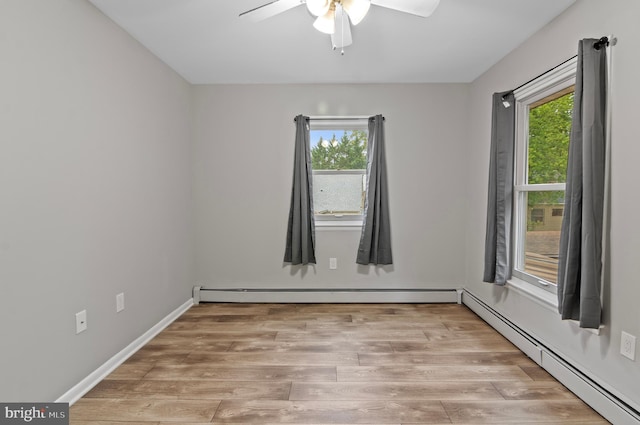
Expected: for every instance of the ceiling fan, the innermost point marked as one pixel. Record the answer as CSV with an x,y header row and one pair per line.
x,y
335,17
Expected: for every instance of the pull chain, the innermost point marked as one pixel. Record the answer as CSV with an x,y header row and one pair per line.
x,y
342,25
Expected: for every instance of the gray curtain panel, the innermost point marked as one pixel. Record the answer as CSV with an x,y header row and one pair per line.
x,y
580,258
375,240
497,250
300,246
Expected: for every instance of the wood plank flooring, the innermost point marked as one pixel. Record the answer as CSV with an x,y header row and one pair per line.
x,y
384,364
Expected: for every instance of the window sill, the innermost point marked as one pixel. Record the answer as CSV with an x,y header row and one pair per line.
x,y
543,298
539,295
338,224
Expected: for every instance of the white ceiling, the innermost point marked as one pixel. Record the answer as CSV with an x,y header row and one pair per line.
x,y
206,42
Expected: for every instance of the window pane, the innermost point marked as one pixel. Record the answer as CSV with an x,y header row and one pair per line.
x,y
549,129
542,236
337,193
339,162
338,149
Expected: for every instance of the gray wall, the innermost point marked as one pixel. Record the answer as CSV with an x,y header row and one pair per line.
x,y
97,174
243,149
597,354
95,187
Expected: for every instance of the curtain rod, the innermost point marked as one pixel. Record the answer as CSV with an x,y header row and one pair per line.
x,y
604,41
338,117
540,75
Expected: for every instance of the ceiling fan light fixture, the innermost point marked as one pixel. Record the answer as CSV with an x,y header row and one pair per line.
x,y
326,23
318,7
356,9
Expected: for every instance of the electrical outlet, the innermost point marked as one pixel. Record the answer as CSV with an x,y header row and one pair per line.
x,y
119,302
333,263
81,321
628,346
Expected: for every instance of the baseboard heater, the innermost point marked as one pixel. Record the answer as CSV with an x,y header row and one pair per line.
x,y
611,406
328,295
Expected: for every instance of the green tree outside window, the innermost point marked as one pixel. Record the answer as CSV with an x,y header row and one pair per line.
x,y
347,153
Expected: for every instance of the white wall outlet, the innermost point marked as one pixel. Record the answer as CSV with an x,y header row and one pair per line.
x,y
119,302
81,321
333,263
628,346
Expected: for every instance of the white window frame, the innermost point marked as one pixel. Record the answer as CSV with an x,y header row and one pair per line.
x,y
339,123
557,79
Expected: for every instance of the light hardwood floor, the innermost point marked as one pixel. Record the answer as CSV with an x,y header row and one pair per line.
x,y
386,364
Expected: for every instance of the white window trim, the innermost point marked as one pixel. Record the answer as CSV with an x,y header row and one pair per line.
x,y
343,123
541,296
337,225
545,299
557,79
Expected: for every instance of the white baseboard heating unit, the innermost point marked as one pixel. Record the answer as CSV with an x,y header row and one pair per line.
x,y
603,400
329,295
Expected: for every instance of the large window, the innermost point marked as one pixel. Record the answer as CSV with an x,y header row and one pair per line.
x,y
543,125
339,163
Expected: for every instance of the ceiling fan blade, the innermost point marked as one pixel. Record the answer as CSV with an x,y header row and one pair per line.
x,y
423,8
270,9
342,35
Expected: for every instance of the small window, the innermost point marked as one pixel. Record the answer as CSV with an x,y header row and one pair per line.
x,y
339,163
537,215
543,126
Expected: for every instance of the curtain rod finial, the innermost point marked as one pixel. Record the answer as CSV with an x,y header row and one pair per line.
x,y
604,41
505,101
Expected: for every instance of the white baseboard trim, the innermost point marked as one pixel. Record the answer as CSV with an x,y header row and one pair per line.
x,y
513,333
81,388
327,295
610,406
